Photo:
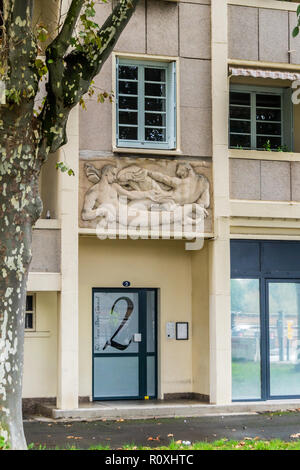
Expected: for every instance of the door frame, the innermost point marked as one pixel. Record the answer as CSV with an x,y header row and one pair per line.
x,y
142,346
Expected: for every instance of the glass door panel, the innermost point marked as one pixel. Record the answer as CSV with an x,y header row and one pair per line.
x,y
245,325
284,336
124,344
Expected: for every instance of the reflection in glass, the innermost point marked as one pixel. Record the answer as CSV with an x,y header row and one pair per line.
x,y
155,89
245,324
128,118
284,338
128,88
128,133
242,99
269,101
275,142
151,307
155,104
155,119
129,72
240,112
155,135
155,75
240,140
151,376
128,102
267,128
241,127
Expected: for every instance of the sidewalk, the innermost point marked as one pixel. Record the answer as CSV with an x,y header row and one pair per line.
x,y
153,433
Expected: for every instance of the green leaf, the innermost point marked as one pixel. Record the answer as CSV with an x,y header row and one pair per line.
x,y
295,31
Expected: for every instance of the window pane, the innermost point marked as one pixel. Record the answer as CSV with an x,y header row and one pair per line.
x,y
240,127
284,336
128,71
29,321
245,325
153,119
155,104
128,133
126,102
155,135
128,88
240,140
128,118
29,303
154,89
240,113
268,114
155,75
240,98
268,100
275,142
268,128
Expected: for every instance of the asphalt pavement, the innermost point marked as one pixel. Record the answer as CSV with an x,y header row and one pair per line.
x,y
159,432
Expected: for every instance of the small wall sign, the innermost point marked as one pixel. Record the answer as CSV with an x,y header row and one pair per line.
x,y
182,330
126,284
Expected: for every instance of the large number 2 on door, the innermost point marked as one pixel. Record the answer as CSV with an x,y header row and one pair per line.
x,y
111,342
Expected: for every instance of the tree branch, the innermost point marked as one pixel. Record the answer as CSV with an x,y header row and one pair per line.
x,y
70,75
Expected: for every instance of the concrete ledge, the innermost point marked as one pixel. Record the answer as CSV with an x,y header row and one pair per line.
x,y
160,409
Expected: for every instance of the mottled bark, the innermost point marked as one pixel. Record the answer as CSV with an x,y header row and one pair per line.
x,y
25,143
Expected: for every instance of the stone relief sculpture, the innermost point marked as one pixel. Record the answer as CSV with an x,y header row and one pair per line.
x,y
145,189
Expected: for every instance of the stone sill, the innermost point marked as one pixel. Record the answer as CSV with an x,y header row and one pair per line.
x,y
264,155
37,334
142,151
48,224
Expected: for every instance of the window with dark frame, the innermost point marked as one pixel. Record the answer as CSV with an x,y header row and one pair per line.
x,y
30,312
260,119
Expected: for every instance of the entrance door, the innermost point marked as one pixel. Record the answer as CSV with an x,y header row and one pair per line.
x,y
124,344
283,309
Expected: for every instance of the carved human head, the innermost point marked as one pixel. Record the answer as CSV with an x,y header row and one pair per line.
x,y
110,172
183,170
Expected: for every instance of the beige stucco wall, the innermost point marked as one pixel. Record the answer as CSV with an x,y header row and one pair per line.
x,y
40,362
46,251
159,264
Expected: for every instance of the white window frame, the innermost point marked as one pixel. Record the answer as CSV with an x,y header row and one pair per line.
x,y
286,112
171,109
33,312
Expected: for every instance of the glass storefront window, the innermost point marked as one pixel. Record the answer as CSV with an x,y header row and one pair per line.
x,y
245,325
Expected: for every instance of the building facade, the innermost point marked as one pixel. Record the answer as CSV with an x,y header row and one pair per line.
x,y
203,112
